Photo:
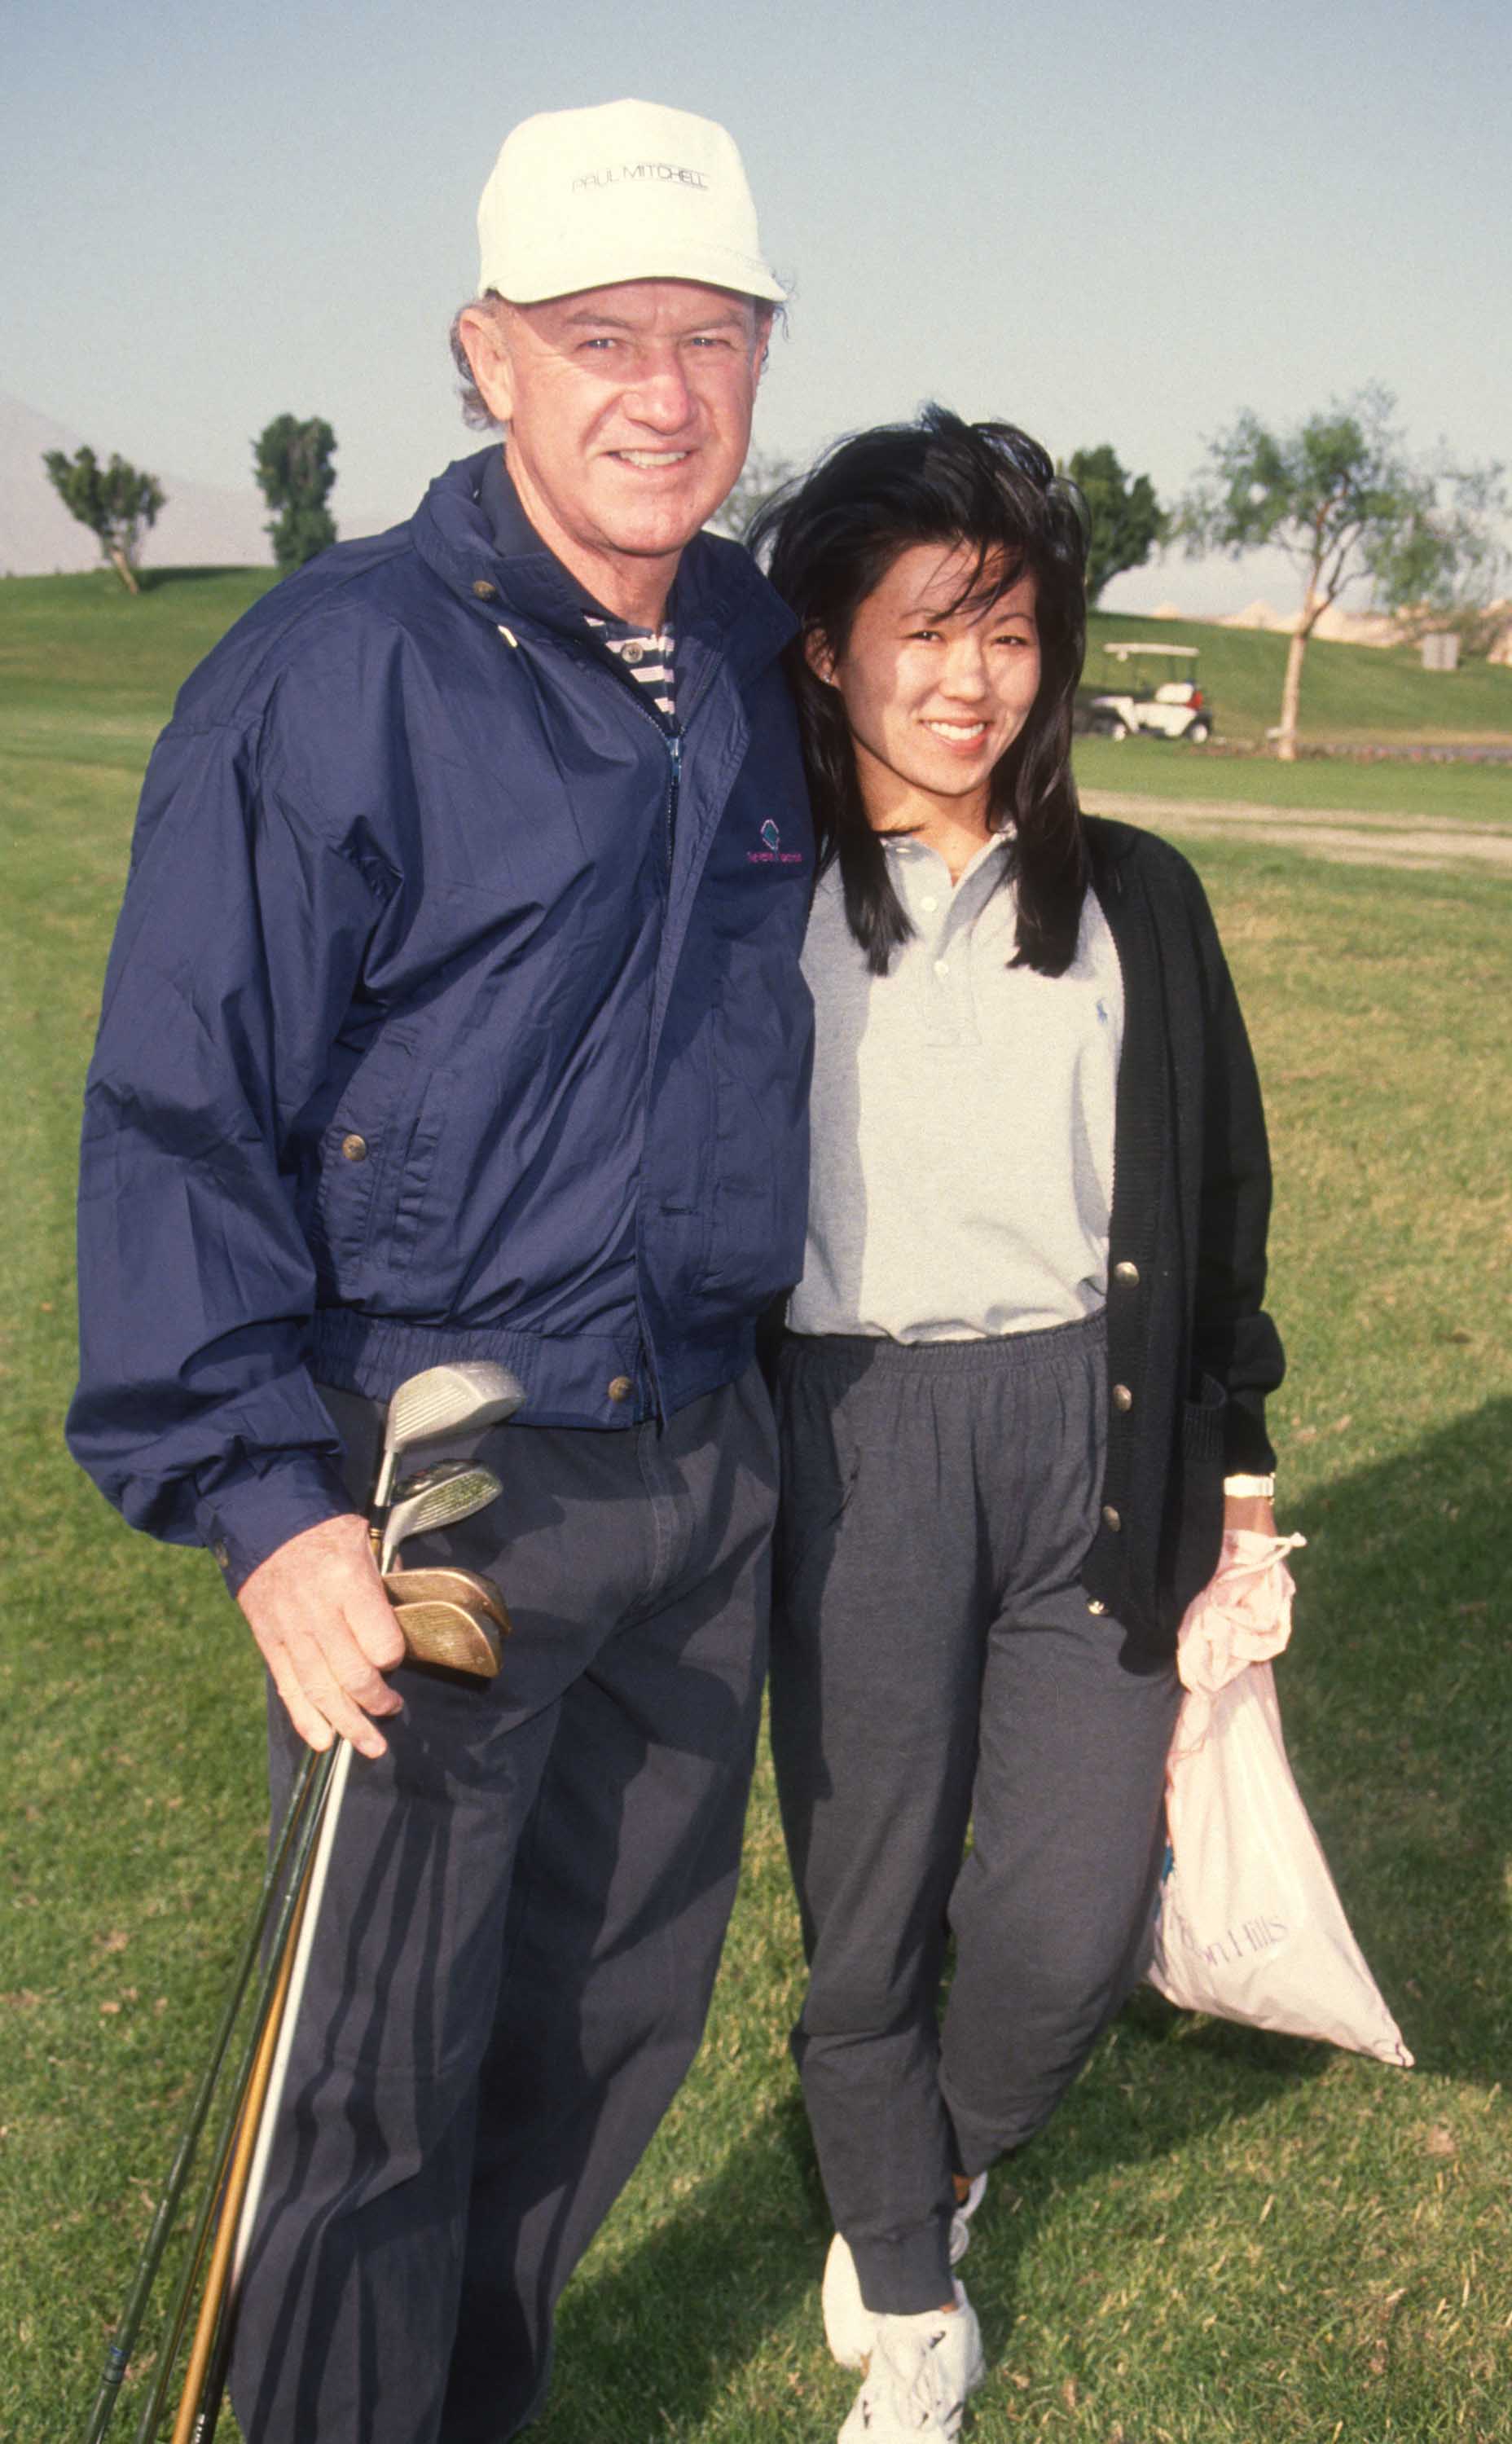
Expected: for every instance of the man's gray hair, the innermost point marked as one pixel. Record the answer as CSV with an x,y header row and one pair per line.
x,y
475,408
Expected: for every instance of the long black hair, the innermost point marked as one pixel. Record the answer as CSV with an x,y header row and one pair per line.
x,y
828,540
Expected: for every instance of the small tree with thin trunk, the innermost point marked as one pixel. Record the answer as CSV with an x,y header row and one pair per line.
x,y
760,476
1127,520
292,463
1342,499
114,502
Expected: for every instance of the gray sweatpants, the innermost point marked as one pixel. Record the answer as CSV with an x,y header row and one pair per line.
x,y
935,1664
520,1934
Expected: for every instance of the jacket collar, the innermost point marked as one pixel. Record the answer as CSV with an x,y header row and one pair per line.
x,y
470,530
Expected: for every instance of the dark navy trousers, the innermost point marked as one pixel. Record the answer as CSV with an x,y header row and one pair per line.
x,y
936,1665
520,1934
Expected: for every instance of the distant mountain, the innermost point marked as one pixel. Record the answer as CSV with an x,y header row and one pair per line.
x,y
199,527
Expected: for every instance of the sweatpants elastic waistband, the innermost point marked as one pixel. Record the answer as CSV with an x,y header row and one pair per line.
x,y
1008,1353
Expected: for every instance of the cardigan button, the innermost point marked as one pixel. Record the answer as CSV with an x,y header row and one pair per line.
x,y
1128,1273
1122,1397
1111,1519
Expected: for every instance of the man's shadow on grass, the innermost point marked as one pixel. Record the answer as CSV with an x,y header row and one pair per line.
x,y
1397,1706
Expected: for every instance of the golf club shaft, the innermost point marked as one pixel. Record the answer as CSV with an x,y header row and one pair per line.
x,y
125,2340
310,1906
246,2176
209,2321
318,1782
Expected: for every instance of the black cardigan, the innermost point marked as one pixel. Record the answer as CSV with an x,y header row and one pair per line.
x,y
1191,1352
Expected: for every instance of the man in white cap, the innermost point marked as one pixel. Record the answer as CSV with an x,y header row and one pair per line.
x,y
455,1013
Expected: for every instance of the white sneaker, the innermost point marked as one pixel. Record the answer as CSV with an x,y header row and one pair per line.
x,y
849,2324
921,2371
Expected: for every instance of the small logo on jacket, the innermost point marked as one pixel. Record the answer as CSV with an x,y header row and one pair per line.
x,y
772,852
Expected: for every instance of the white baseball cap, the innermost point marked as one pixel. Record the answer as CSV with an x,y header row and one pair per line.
x,y
625,191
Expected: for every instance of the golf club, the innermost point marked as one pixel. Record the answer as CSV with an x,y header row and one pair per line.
x,y
437,1499
472,1393
123,2341
443,1400
450,1626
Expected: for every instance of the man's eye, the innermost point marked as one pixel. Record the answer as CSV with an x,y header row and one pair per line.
x,y
924,635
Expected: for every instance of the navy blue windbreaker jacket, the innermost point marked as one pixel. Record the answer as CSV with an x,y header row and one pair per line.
x,y
455,1011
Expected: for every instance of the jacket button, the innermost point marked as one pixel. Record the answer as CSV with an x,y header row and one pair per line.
x,y
1122,1397
622,1388
221,1553
1110,1518
1127,1274
485,591
354,1148
1093,1604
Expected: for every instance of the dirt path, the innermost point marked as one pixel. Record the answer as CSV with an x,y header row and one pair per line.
x,y
1339,832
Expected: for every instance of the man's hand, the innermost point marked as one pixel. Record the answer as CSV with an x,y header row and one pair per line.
x,y
327,1632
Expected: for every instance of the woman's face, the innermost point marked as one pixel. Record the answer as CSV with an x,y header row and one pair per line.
x,y
934,698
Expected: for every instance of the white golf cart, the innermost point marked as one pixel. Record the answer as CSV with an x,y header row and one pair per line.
x,y
1162,708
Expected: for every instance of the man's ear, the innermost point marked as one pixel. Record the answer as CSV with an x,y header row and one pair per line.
x,y
483,335
818,656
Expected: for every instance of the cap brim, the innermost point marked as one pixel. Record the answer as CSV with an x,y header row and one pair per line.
x,y
569,275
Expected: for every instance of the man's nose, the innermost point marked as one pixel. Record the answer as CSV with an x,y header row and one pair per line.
x,y
660,397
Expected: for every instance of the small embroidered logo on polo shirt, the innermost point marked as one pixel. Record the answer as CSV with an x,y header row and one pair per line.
x,y
773,852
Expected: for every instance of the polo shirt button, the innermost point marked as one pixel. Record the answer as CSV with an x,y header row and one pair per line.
x,y
1126,1272
1122,1397
622,1388
930,904
354,1149
484,590
1111,1519
942,967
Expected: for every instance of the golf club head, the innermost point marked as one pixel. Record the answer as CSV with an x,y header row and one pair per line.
x,y
448,1585
474,1391
437,1499
438,1631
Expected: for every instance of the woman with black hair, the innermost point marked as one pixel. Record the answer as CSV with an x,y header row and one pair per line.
x,y
1022,1391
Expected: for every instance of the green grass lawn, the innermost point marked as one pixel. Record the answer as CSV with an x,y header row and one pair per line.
x,y
1223,2238
1157,768
1351,694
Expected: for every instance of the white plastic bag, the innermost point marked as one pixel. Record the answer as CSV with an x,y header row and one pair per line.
x,y
1250,1926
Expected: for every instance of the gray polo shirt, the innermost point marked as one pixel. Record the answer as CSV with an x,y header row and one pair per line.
x,y
962,1117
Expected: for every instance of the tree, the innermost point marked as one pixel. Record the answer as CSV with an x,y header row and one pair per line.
x,y
1127,520
114,502
760,478
1340,495
292,463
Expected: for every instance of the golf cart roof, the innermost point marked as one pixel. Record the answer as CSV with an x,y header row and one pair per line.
x,y
1122,653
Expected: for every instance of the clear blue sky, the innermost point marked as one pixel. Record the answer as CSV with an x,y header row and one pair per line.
x,y
1108,222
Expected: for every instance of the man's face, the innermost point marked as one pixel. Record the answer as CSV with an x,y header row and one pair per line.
x,y
628,412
